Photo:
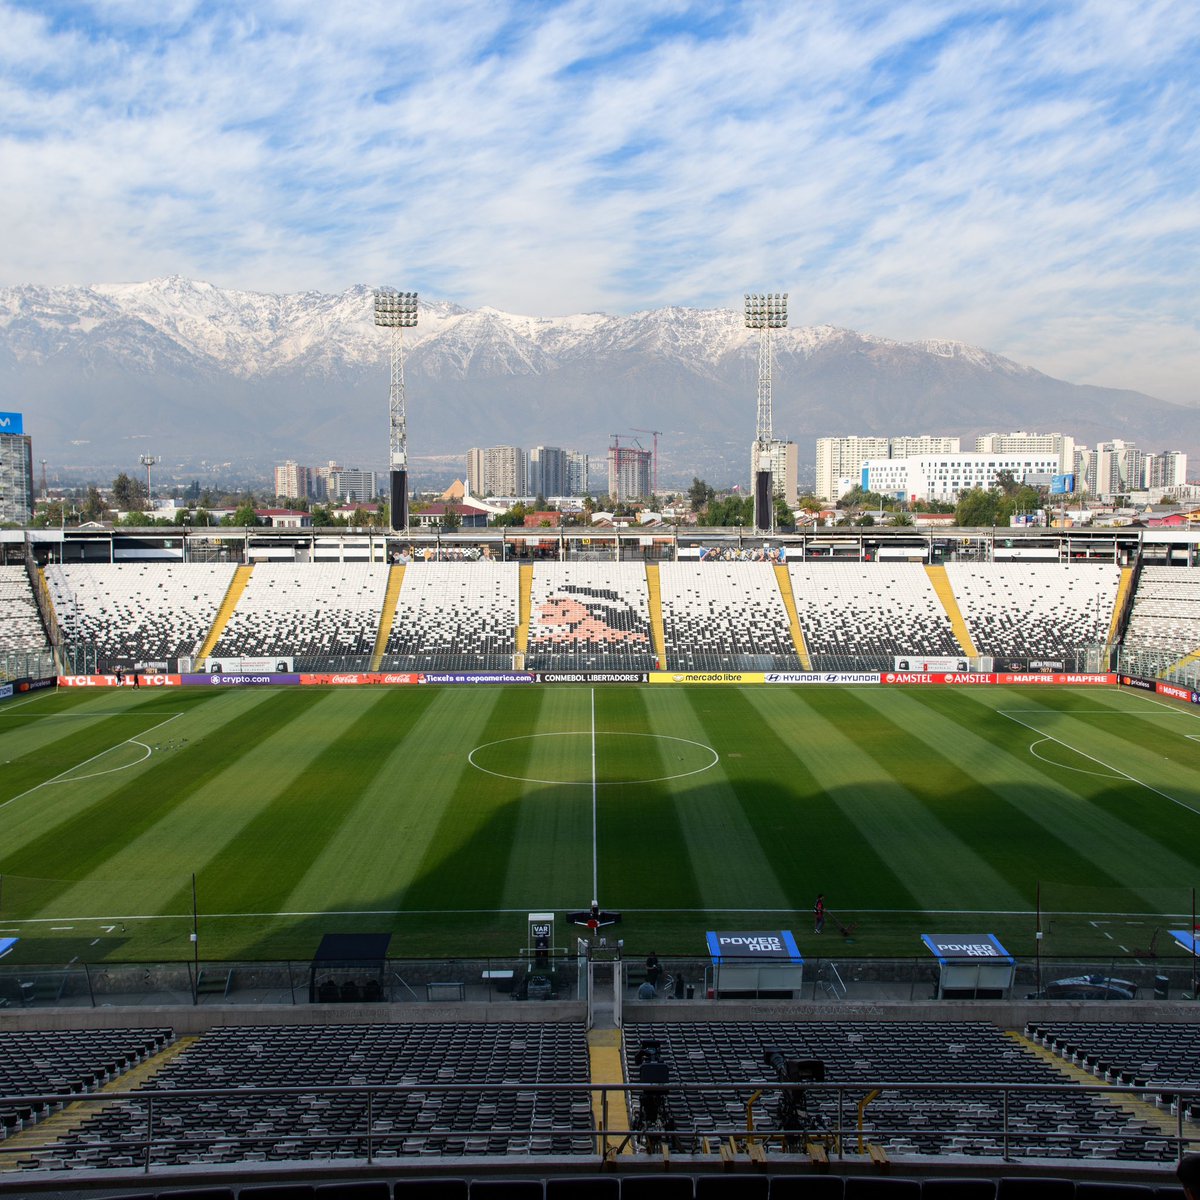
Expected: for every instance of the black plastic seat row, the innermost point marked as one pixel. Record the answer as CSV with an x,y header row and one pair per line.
x,y
678,1186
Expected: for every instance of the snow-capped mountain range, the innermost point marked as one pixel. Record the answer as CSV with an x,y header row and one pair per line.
x,y
188,369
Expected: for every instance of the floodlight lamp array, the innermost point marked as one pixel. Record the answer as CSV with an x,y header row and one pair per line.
x,y
395,310
766,310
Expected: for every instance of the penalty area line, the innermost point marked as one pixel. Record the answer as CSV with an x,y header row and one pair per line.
x,y
1118,773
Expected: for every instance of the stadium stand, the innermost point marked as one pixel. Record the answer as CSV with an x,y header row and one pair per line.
x,y
137,612
34,1063
721,616
1040,1125
1148,1055
21,629
458,617
590,617
324,615
856,615
1037,611
308,1127
1166,610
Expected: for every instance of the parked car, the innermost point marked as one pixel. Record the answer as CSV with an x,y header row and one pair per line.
x,y
1087,987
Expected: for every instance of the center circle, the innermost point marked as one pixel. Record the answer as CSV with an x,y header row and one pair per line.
x,y
694,758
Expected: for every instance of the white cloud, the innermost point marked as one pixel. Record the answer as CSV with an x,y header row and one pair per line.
x,y
1021,178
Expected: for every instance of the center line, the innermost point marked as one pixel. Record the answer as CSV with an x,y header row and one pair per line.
x,y
595,866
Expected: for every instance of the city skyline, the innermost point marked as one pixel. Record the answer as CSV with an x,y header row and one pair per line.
x,y
1008,176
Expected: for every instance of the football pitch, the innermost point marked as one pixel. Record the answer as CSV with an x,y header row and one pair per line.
x,y
444,814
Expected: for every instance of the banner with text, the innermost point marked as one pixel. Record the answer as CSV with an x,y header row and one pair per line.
x,y
707,677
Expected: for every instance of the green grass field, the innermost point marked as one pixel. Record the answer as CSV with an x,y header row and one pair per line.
x,y
445,814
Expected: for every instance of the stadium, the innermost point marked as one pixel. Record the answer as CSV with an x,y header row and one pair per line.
x,y
485,864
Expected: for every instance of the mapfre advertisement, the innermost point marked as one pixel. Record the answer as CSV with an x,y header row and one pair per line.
x,y
1176,692
1062,678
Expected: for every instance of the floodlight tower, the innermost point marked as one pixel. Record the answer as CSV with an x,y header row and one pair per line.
x,y
148,461
764,312
397,311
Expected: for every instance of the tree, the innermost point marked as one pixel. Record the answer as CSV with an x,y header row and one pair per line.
x,y
901,518
784,518
137,517
93,504
451,518
731,510
699,495
245,515
128,493
976,508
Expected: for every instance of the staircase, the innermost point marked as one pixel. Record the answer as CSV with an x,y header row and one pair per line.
x,y
388,617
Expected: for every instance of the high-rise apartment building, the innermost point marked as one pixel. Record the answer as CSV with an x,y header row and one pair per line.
x,y
1120,468
577,474
1167,469
629,470
350,485
840,459
16,470
782,459
1019,442
497,471
547,471
293,481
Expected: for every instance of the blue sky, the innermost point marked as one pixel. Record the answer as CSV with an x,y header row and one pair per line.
x,y
1017,174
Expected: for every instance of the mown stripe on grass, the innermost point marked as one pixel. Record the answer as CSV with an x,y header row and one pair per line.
x,y
205,781
942,870
645,829
715,829
992,796
390,821
550,861
335,750
1129,833
762,753
467,858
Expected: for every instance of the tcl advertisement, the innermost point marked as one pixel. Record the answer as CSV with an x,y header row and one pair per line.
x,y
133,681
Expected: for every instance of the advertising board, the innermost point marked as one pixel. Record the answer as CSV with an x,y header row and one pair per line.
x,y
11,422
915,662
481,677
358,677
278,663
6,691
150,681
821,677
955,677
1135,681
1175,691
707,677
1060,678
236,680
593,677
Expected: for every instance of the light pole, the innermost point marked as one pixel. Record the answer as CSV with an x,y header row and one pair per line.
x,y
764,312
397,311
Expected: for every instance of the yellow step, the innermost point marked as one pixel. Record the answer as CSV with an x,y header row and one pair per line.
x,y
605,1066
1141,1109
524,607
45,1134
388,616
945,593
237,585
1119,605
657,629
789,602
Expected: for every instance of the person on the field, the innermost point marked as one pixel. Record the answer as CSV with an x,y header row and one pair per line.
x,y
819,913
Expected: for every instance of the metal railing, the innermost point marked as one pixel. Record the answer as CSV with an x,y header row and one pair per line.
x,y
160,1127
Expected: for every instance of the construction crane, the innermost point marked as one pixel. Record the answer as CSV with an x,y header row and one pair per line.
x,y
656,433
